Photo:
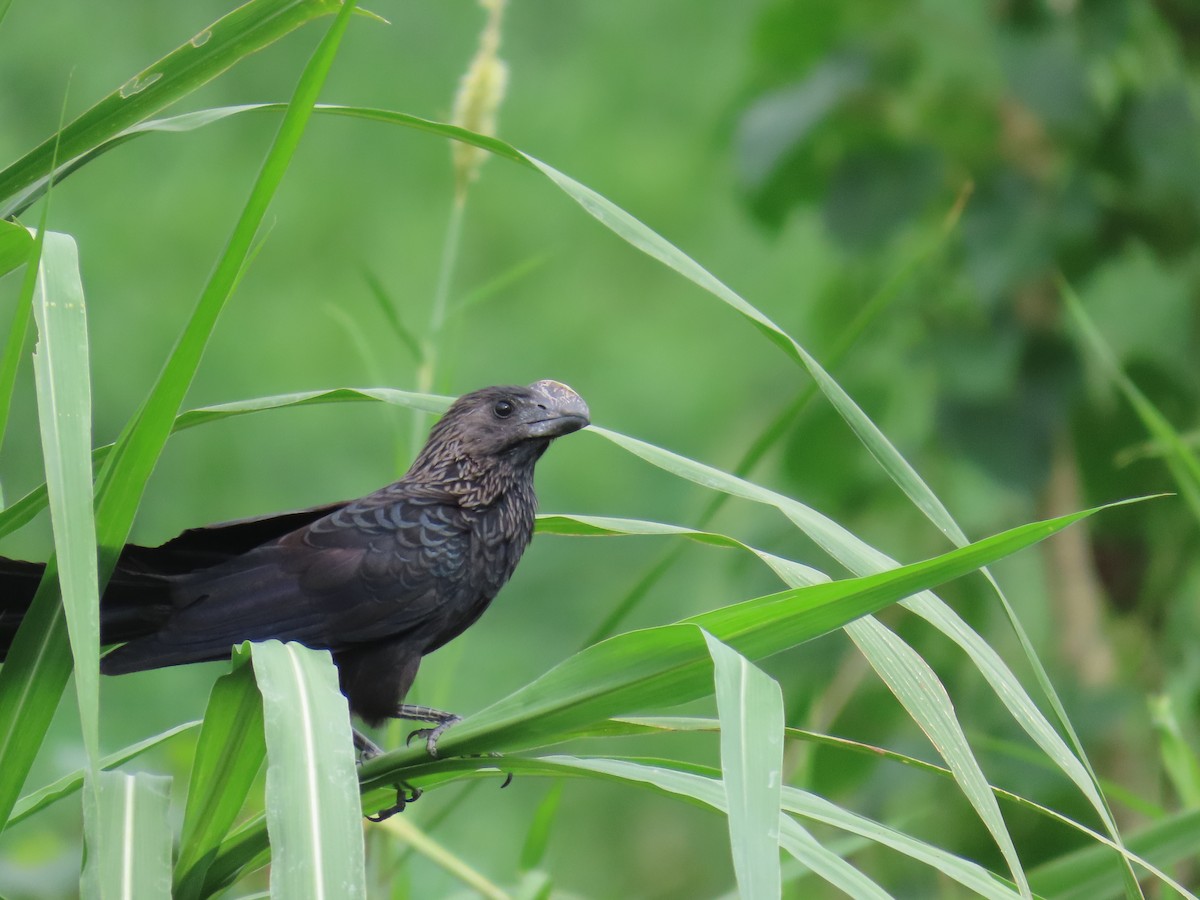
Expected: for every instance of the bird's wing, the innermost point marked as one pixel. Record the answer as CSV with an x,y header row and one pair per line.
x,y
392,563
209,545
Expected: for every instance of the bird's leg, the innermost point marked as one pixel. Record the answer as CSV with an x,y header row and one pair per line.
x,y
367,748
442,721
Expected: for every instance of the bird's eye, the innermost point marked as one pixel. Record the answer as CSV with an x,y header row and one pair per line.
x,y
503,409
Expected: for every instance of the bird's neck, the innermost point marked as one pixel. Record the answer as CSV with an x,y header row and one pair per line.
x,y
478,482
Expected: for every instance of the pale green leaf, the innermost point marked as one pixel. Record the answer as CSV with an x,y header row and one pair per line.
x,y
791,836
314,815
750,707
60,365
135,862
38,800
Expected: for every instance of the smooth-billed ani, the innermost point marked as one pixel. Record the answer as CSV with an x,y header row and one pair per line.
x,y
379,582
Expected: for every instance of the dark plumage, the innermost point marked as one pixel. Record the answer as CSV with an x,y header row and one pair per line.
x,y
380,581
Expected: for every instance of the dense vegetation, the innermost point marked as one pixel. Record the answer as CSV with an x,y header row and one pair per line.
x,y
966,231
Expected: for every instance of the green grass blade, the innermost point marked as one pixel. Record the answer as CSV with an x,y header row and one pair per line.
x,y
387,307
404,830
1180,761
670,665
38,665
314,815
15,244
32,681
861,558
782,422
136,859
206,55
1181,460
24,510
711,792
700,783
750,706
246,850
540,829
1094,873
17,250
62,376
922,694
127,468
229,755
38,800
40,668
501,282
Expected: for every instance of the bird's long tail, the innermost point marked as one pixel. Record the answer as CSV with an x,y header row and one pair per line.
x,y
138,597
18,582
134,603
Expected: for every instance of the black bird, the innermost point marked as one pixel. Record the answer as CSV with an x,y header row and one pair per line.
x,y
379,582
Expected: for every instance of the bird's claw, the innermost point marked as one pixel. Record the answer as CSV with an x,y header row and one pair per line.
x,y
401,801
508,776
431,735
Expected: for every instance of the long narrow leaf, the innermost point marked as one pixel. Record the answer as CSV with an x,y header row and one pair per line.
x,y
405,831
136,859
210,52
23,511
711,792
924,697
750,706
670,665
229,755
62,377
314,815
41,798
861,558
64,414
1091,873
39,660
41,667
15,244
1181,460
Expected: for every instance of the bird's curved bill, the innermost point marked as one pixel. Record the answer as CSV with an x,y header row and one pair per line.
x,y
565,410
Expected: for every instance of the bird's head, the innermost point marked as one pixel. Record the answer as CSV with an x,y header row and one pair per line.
x,y
510,422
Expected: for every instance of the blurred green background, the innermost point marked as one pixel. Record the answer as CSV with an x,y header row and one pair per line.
x,y
813,154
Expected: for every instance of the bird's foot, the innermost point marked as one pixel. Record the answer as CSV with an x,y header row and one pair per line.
x,y
402,800
440,719
431,735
